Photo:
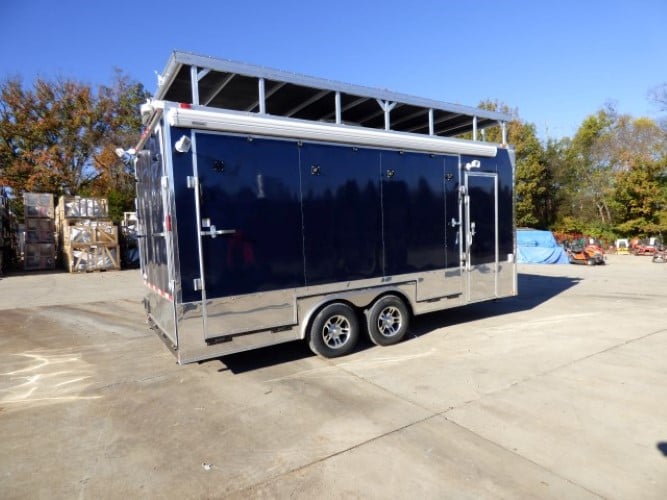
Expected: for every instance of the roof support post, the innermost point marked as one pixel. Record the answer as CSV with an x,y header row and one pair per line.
x,y
386,107
474,128
503,128
431,124
194,84
262,97
339,112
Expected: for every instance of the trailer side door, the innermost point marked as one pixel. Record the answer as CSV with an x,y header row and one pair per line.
x,y
248,219
481,235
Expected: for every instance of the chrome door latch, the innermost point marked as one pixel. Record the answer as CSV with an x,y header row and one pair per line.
x,y
212,230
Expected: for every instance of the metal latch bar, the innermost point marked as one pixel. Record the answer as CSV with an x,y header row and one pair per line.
x,y
217,232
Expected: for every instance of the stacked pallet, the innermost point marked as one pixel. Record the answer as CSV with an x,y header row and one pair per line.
x,y
88,239
40,244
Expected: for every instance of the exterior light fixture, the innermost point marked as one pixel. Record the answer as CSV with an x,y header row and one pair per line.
x,y
183,144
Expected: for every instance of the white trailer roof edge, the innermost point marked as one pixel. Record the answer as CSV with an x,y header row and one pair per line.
x,y
250,123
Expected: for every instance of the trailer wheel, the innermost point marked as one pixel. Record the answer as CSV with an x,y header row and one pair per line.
x,y
387,320
334,331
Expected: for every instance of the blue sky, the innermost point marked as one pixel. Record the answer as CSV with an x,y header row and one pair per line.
x,y
556,62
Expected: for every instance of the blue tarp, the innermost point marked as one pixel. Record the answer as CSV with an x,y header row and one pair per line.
x,y
539,247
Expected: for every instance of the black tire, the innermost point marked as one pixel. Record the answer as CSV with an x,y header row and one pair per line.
x,y
334,331
387,320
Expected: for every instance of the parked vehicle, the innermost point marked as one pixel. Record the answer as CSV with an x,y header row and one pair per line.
x,y
274,207
645,246
582,251
622,246
660,257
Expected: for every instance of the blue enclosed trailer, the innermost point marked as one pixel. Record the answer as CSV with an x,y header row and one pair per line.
x,y
275,207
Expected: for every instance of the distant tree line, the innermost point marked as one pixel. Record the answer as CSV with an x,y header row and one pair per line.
x,y
609,180
60,137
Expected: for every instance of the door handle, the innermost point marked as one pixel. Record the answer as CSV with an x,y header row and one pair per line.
x,y
213,232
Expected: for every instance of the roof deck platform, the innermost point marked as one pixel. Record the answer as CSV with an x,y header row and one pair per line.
x,y
225,84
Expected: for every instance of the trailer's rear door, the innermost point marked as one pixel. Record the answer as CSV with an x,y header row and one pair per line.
x,y
481,235
249,218
155,238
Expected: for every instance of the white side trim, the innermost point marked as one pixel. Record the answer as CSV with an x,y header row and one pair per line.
x,y
229,121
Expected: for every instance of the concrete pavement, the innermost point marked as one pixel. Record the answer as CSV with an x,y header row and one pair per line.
x,y
557,393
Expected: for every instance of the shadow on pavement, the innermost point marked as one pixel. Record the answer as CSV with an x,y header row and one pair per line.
x,y
264,357
533,290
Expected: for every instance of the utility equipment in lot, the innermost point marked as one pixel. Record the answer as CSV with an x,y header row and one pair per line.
x,y
274,207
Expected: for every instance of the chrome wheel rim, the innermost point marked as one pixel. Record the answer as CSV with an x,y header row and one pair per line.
x,y
336,331
389,321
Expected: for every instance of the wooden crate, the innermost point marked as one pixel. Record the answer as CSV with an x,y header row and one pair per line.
x,y
40,237
39,256
76,207
41,224
89,258
39,230
38,205
89,232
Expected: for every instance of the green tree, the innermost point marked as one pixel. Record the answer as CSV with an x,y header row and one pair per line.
x,y
614,176
48,135
587,180
640,200
638,155
115,180
58,136
533,190
556,169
